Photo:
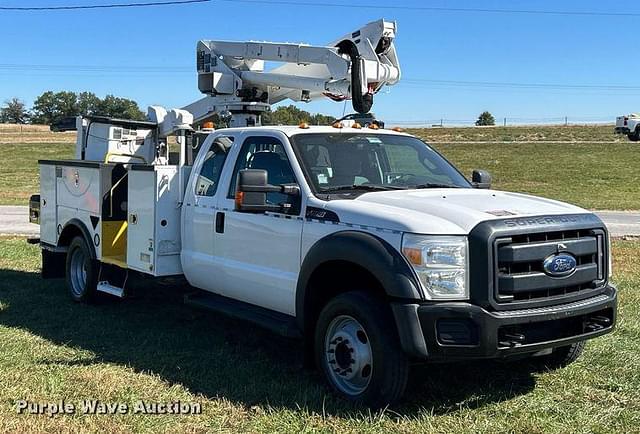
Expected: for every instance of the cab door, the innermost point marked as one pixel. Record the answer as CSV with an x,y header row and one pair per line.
x,y
260,253
199,222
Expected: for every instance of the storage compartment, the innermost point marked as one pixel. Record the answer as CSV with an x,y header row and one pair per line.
x,y
153,226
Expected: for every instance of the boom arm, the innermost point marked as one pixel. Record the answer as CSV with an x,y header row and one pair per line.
x,y
355,67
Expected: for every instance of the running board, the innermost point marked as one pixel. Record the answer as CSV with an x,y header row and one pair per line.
x,y
279,323
107,288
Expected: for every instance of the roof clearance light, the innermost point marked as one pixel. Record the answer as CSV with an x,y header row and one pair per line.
x,y
304,125
374,127
356,125
337,125
397,129
208,125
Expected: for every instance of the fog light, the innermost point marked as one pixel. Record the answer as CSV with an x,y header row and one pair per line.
x,y
457,332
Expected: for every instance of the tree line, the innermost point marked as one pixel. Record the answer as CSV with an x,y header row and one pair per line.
x,y
292,115
52,107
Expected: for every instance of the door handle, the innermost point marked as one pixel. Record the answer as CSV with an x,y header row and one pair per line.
x,y
220,222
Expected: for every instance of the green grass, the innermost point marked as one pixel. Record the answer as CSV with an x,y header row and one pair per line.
x,y
593,176
19,176
596,170
534,133
152,347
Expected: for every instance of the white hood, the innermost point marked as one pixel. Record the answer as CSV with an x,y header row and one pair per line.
x,y
442,211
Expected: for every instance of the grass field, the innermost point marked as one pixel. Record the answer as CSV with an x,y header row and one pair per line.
x,y
153,348
587,165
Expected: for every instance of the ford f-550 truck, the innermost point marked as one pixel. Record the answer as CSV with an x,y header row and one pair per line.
x,y
364,242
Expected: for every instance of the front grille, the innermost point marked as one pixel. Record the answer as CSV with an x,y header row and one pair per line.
x,y
520,276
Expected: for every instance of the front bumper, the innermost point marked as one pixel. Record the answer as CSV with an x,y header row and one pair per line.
x,y
450,331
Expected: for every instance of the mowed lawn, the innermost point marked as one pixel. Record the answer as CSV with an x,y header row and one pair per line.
x,y
588,166
151,347
585,165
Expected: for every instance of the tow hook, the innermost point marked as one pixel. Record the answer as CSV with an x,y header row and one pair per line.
x,y
512,339
596,323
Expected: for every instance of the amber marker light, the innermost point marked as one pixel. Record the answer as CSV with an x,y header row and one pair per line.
x,y
374,127
356,125
239,199
413,255
337,125
303,125
208,125
397,129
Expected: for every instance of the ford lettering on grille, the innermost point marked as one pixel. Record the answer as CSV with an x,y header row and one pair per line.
x,y
560,265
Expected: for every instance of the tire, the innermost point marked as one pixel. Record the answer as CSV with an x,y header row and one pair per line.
x,y
357,349
561,356
81,271
635,136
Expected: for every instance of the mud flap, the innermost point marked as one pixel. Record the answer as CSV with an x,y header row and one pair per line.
x,y
53,264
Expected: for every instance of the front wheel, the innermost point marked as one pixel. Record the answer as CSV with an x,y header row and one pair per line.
x,y
357,349
635,136
81,271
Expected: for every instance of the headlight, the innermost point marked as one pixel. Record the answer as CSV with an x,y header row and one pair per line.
x,y
441,263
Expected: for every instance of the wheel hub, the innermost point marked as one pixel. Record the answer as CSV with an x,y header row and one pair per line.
x,y
78,272
348,355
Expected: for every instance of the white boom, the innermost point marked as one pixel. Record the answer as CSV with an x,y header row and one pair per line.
x,y
233,77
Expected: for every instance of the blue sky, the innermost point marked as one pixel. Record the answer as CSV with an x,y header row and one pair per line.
x,y
450,46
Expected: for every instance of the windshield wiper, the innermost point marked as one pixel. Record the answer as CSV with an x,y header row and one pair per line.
x,y
434,185
355,187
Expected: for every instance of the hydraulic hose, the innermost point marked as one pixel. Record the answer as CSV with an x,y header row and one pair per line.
x,y
362,102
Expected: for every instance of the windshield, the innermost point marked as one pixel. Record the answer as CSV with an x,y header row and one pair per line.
x,y
370,162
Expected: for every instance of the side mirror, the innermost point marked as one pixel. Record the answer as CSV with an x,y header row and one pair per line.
x,y
481,179
252,188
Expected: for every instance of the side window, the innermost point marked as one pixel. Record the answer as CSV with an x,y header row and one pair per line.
x,y
266,153
207,181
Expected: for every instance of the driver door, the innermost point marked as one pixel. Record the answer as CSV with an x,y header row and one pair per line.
x,y
260,253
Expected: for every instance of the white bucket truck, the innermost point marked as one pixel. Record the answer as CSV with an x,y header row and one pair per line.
x,y
364,242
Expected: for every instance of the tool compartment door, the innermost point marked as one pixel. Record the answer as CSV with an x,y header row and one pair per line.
x,y
153,238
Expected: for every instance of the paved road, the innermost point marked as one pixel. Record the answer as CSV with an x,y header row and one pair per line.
x,y
621,223
14,220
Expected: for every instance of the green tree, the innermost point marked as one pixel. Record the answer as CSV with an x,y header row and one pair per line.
x,y
51,107
88,103
123,108
14,112
485,119
292,115
44,109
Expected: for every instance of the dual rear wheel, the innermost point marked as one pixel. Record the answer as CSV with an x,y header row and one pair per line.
x,y
81,271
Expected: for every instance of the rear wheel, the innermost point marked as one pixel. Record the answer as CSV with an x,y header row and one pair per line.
x,y
81,271
635,136
358,351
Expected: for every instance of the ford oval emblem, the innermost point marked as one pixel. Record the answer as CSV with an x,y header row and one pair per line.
x,y
560,265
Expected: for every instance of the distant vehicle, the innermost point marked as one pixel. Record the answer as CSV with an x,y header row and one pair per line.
x,y
629,125
365,120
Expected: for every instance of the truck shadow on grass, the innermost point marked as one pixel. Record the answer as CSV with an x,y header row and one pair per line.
x,y
153,332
